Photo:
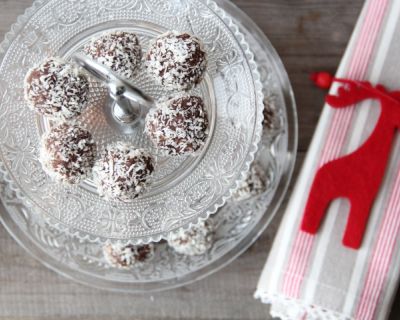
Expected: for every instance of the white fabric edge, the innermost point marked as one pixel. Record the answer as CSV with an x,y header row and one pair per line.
x,y
292,309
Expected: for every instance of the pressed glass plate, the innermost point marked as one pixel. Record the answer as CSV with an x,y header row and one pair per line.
x,y
238,223
183,189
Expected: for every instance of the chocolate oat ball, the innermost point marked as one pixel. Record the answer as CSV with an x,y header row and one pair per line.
x,y
122,172
120,51
124,257
194,241
177,60
68,153
178,126
56,89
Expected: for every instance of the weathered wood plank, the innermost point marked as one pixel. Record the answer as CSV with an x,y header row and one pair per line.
x,y
309,35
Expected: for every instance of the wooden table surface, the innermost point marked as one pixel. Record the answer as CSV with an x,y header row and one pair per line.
x,y
309,35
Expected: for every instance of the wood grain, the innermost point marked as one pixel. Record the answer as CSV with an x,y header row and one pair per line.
x,y
309,35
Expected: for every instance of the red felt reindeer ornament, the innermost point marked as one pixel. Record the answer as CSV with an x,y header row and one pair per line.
x,y
356,176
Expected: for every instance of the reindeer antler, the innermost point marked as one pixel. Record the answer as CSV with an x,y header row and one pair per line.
x,y
355,91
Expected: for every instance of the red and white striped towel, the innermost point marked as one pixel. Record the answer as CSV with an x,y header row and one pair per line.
x,y
315,276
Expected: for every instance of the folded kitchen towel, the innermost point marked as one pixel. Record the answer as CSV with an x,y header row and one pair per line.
x,y
316,276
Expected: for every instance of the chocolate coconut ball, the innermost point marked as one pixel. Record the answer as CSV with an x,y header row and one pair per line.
x,y
68,153
56,89
271,119
252,185
122,172
120,51
124,257
194,241
178,126
177,60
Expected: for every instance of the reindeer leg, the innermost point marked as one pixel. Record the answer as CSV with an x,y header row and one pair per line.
x,y
322,192
357,220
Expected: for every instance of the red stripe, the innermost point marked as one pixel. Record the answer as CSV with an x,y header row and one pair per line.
x,y
287,280
381,257
304,241
305,254
374,281
302,247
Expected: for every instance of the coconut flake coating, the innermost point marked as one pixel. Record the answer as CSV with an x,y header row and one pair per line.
x,y
120,51
194,241
252,185
122,172
124,257
68,153
56,89
178,126
177,60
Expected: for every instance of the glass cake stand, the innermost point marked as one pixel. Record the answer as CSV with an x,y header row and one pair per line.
x,y
66,227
